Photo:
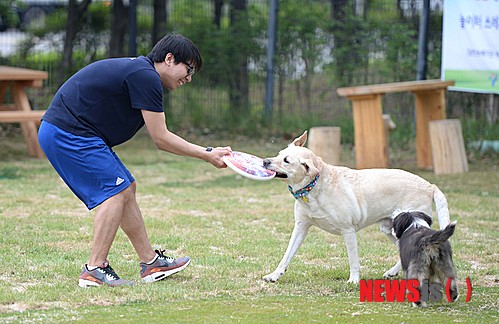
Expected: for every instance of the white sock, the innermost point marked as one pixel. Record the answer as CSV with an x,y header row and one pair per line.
x,y
90,268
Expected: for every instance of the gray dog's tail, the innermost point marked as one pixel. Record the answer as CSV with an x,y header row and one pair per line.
x,y
439,237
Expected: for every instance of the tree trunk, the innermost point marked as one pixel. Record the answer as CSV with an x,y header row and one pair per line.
x,y
280,96
159,26
342,57
218,4
239,88
76,9
119,27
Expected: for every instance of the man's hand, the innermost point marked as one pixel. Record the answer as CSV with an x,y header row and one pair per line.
x,y
215,156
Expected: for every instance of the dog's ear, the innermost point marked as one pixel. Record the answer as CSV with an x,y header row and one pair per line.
x,y
300,141
428,219
401,222
424,217
310,167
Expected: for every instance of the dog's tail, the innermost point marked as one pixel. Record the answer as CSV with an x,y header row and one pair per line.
x,y
439,237
441,207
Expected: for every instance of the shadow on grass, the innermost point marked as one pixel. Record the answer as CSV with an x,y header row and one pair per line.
x,y
228,181
10,172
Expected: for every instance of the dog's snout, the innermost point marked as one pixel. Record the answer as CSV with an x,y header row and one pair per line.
x,y
266,163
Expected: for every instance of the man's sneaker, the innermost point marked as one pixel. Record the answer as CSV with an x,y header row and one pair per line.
x,y
162,267
102,275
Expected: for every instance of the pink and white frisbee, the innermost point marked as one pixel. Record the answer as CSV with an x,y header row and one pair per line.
x,y
248,166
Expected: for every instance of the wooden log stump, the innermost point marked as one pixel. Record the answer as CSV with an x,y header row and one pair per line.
x,y
447,146
325,142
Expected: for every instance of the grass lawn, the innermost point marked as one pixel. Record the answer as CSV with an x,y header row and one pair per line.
x,y
236,231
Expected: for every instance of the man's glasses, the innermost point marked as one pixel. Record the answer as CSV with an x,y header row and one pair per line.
x,y
190,68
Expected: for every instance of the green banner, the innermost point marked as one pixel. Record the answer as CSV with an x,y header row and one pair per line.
x,y
470,45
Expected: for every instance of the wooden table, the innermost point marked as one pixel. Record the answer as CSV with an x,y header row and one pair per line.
x,y
19,111
370,137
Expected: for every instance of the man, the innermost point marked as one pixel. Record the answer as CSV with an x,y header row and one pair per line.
x,y
104,105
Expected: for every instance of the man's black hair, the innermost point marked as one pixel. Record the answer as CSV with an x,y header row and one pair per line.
x,y
182,48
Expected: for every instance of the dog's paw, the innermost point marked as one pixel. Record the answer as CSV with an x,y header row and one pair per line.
x,y
390,274
419,304
354,280
273,277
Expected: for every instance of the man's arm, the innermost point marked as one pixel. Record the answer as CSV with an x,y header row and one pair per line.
x,y
170,142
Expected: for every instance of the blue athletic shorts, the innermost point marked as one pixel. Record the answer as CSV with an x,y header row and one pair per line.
x,y
87,165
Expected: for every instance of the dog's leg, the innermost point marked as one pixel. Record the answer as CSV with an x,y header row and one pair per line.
x,y
353,256
454,293
394,271
299,233
421,272
444,271
412,273
386,228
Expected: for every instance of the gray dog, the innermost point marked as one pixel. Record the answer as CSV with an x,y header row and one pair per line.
x,y
425,254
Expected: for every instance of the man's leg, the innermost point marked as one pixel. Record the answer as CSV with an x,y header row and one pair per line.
x,y
154,265
132,223
106,222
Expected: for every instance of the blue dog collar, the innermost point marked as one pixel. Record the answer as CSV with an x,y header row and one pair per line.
x,y
303,192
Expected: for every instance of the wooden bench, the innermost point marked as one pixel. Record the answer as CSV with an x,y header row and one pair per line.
x,y
370,136
14,80
20,116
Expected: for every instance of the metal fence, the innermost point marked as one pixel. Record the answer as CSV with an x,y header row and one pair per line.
x,y
321,45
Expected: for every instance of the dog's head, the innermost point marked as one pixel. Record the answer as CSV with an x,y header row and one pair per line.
x,y
296,164
404,220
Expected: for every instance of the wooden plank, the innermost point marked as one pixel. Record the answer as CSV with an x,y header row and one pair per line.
x,y
408,86
370,142
3,90
9,73
7,107
363,97
449,155
430,105
18,116
28,120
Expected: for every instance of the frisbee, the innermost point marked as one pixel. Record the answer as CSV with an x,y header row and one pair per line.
x,y
248,166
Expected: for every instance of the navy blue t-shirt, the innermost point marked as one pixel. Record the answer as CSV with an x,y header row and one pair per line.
x,y
105,99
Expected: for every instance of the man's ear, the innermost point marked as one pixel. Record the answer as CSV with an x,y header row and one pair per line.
x,y
169,58
300,141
